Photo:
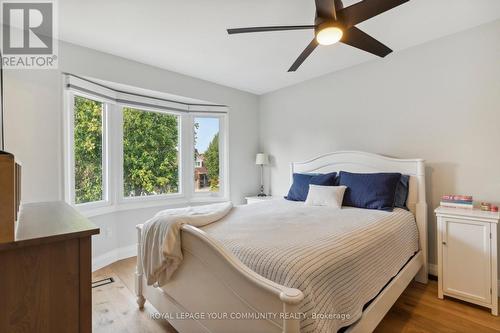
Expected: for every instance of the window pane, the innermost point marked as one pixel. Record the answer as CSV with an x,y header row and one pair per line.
x,y
150,153
88,150
206,154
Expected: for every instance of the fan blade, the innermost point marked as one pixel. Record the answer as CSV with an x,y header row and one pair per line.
x,y
326,9
366,9
357,38
308,50
274,28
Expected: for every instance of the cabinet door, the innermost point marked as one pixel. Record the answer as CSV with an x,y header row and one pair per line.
x,y
466,259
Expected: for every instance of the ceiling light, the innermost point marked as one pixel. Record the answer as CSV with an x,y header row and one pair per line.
x,y
329,35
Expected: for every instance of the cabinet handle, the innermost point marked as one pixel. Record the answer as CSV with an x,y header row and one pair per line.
x,y
444,243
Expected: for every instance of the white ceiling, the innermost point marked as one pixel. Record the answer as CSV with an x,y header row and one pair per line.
x,y
189,36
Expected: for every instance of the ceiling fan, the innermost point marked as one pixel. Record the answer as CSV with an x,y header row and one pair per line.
x,y
334,23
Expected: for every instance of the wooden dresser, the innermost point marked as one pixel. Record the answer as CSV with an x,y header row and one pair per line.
x,y
45,271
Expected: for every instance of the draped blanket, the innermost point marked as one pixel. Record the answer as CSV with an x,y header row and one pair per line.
x,y
161,251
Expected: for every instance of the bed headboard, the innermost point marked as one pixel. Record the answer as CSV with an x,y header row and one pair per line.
x,y
361,162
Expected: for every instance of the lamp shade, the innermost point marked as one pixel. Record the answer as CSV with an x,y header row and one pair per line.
x,y
261,159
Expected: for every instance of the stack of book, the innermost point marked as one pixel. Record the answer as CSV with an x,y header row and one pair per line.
x,y
457,201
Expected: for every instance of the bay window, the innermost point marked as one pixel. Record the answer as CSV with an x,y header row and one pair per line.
x,y
150,153
127,149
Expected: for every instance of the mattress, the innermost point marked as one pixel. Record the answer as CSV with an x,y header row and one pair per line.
x,y
339,258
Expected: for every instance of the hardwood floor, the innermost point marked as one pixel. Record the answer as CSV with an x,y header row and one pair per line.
x,y
113,305
417,310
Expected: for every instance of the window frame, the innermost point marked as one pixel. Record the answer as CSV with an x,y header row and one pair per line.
x,y
70,193
121,198
112,150
223,156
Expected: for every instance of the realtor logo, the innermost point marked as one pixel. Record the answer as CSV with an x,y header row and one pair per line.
x,y
28,35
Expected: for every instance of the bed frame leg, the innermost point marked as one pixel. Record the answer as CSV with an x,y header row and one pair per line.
x,y
141,301
421,216
138,273
291,325
422,275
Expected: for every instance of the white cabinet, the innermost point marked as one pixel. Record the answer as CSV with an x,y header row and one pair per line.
x,y
467,256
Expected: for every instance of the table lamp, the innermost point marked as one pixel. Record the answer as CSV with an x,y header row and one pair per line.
x,y
261,159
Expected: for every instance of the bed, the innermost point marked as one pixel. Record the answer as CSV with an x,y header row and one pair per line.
x,y
229,282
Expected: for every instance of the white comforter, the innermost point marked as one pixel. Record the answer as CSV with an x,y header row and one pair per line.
x,y
339,259
161,239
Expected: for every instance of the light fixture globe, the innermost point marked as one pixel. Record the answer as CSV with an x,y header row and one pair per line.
x,y
328,35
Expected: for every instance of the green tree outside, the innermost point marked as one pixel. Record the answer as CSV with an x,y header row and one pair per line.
x,y
88,150
150,153
212,163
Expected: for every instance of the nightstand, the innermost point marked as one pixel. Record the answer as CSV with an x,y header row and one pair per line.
x,y
467,255
255,199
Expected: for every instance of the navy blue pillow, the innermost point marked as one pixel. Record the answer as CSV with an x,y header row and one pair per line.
x,y
402,192
300,187
370,190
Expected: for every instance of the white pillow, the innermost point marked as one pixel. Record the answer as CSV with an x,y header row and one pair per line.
x,y
330,196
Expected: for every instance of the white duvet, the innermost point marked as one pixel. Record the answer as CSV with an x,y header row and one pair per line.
x,y
339,259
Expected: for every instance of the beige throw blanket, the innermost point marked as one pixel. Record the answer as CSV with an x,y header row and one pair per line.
x,y
161,252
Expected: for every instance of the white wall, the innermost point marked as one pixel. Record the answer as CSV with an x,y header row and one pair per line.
x,y
439,101
33,119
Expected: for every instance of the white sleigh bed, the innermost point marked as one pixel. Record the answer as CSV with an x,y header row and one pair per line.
x,y
211,281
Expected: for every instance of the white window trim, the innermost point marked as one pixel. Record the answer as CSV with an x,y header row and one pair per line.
x,y
70,157
223,156
113,149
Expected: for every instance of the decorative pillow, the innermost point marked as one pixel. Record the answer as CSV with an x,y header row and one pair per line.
x,y
300,187
370,190
330,196
402,192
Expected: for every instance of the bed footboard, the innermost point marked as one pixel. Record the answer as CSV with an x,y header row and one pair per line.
x,y
212,291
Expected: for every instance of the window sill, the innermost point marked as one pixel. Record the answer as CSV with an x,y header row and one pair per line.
x,y
142,204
